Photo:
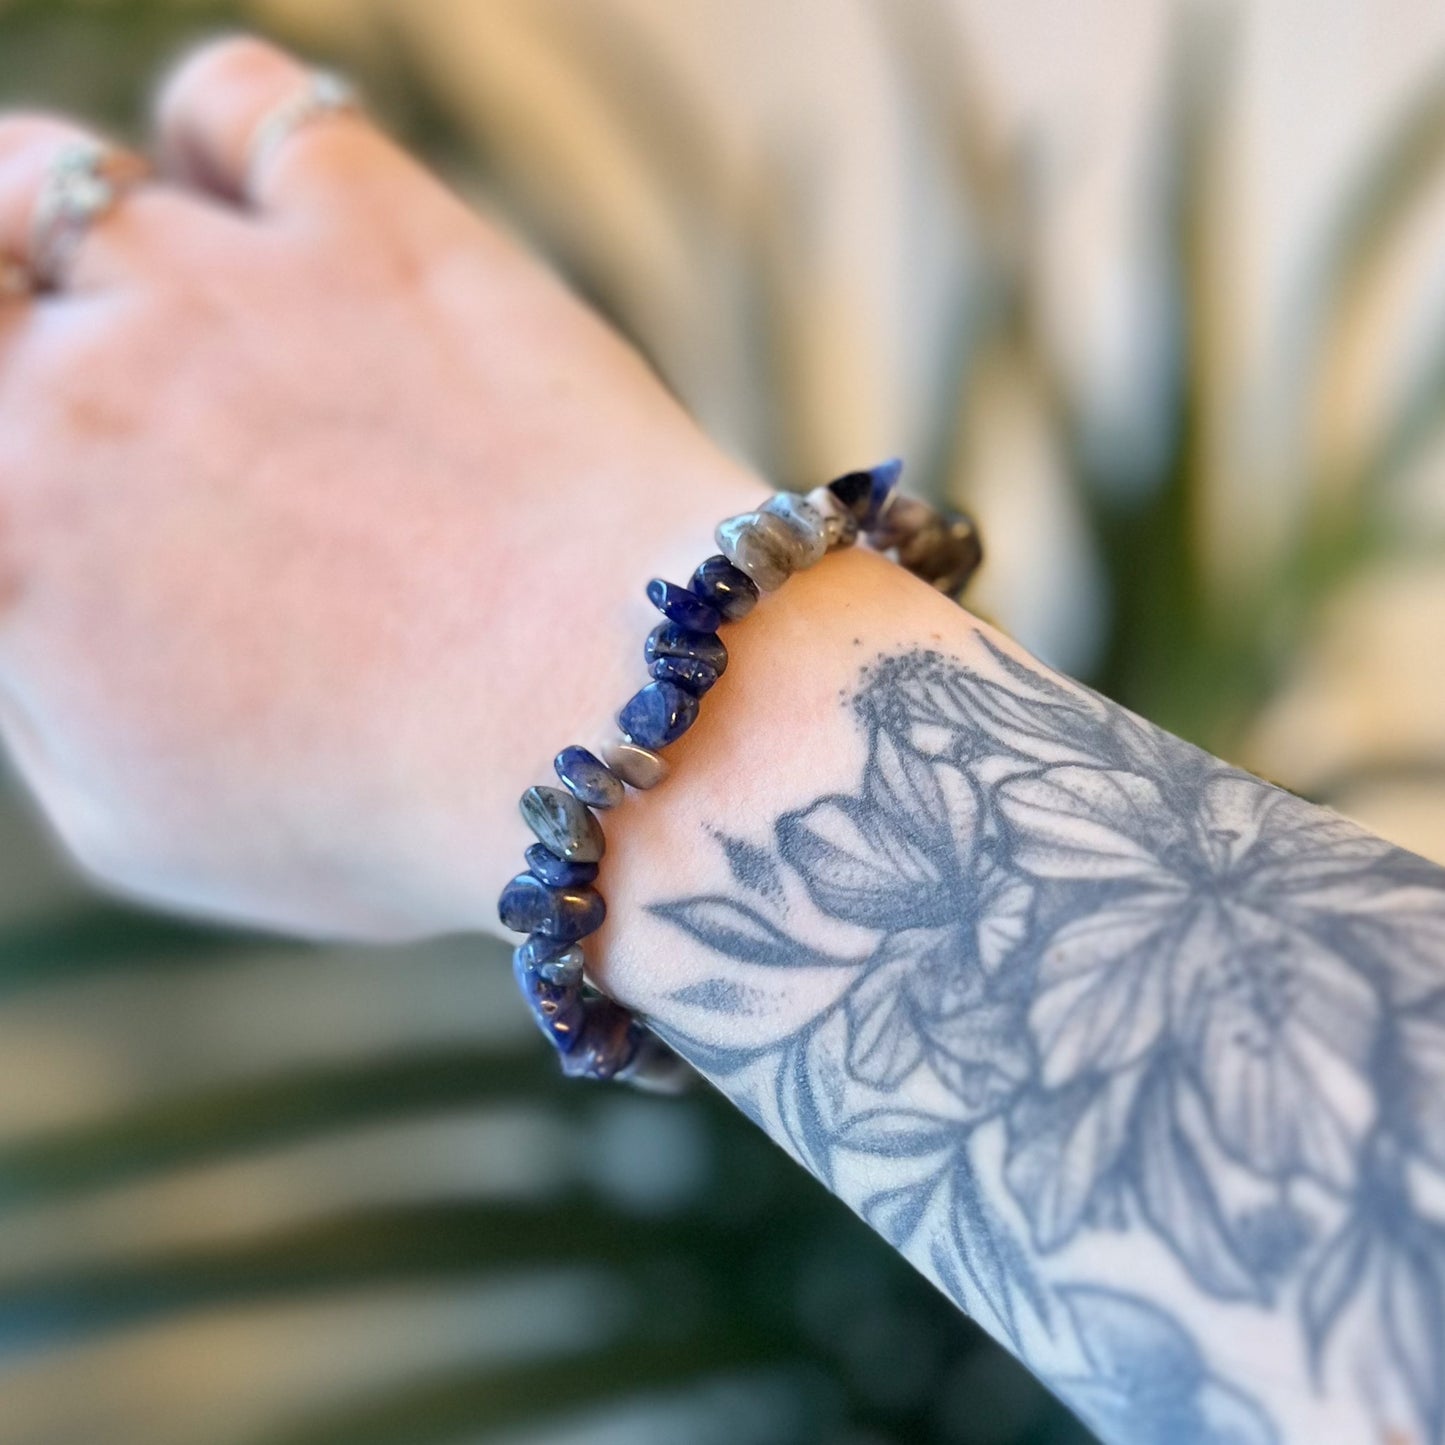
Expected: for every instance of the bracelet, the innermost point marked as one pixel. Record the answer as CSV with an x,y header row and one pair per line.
x,y
554,902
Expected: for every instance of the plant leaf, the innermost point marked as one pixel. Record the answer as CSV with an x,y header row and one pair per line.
x,y
1178,1198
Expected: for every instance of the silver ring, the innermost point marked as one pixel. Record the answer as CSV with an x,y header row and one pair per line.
x,y
83,182
323,94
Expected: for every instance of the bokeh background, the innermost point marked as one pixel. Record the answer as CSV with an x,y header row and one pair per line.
x,y
1157,289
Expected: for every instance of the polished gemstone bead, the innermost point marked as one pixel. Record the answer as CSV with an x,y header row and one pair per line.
x,y
854,491
539,950
563,824
959,557
807,524
667,639
723,586
690,672
657,715
609,1042
588,778
557,1008
528,905
683,607
866,494
656,1069
905,519
882,481
565,970
921,550
840,526
558,871
639,768
762,545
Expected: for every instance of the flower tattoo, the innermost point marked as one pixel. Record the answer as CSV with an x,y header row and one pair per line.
x,y
1167,995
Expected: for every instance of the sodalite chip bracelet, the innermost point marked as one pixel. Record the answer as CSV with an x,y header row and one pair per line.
x,y
554,902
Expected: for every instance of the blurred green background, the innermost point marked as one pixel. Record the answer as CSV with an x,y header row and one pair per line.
x,y
1156,289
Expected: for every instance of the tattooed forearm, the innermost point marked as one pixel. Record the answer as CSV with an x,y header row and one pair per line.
x,y
1092,996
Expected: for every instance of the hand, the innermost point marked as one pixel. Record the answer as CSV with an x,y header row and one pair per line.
x,y
324,517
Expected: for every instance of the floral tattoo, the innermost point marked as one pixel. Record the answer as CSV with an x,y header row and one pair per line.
x,y
1168,996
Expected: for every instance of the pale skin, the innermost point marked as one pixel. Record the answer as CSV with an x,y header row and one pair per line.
x,y
326,513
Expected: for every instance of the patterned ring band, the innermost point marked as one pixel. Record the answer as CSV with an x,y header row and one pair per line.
x,y
83,182
554,902
323,94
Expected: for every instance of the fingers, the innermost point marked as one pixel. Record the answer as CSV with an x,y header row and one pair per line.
x,y
239,121
49,236
240,118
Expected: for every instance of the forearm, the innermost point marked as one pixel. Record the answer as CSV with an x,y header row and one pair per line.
x,y
314,519
1135,1056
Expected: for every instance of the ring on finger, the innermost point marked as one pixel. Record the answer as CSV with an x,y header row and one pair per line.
x,y
322,95
83,182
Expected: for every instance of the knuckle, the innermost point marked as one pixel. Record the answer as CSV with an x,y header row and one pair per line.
x,y
386,264
22,131
227,62
79,358
76,391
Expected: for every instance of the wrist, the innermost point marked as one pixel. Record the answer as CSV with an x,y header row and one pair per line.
x,y
557,902
773,737
572,594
